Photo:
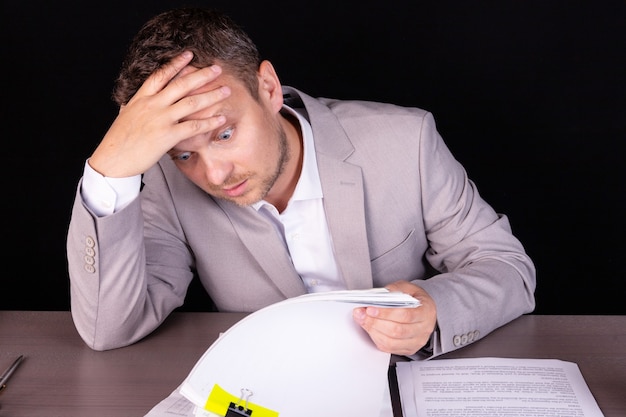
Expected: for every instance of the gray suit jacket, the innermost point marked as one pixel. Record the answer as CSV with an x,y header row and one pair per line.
x,y
398,205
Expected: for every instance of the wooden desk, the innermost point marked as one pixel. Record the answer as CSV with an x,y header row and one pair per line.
x,y
62,377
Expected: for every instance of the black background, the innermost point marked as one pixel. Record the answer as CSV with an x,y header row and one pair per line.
x,y
529,95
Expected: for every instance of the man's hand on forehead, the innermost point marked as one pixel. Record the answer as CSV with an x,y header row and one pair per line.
x,y
176,102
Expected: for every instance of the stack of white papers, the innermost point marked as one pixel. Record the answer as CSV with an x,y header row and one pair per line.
x,y
495,387
301,357
376,296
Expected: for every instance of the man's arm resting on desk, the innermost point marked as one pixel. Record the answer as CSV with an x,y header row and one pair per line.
x,y
115,299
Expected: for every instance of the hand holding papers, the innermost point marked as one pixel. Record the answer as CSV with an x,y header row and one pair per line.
x,y
301,357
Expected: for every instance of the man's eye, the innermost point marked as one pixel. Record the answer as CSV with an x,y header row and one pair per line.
x,y
225,134
183,156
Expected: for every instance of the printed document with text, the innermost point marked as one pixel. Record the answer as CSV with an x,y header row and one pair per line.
x,y
490,387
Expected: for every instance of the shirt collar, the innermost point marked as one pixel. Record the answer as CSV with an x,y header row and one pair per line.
x,y
309,186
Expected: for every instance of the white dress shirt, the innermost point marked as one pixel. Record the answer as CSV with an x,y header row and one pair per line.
x,y
302,224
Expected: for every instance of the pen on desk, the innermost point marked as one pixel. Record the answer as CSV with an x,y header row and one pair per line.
x,y
7,374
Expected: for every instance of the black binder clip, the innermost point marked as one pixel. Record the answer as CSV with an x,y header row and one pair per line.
x,y
239,409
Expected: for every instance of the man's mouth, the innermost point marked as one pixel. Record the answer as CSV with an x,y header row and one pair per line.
x,y
235,190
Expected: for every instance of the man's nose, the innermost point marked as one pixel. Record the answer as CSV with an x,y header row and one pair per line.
x,y
217,170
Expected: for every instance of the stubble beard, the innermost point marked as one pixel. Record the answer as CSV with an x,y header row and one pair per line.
x,y
268,182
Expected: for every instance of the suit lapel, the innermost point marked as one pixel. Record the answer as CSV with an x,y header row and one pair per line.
x,y
259,236
342,185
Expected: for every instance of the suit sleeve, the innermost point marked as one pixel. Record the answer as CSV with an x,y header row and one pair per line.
x,y
118,293
486,278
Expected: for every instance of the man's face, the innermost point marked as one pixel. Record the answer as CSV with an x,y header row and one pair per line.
x,y
242,160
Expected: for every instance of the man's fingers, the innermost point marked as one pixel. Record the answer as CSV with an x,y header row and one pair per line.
x,y
395,315
162,76
195,127
402,331
391,334
193,106
177,79
405,287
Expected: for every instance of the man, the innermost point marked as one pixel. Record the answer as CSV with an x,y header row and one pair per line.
x,y
266,193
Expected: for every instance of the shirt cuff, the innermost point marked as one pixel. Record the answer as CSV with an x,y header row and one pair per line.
x,y
106,195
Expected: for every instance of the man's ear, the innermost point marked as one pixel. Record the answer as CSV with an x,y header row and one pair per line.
x,y
270,88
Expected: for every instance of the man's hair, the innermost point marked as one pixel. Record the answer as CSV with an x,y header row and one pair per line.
x,y
212,37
